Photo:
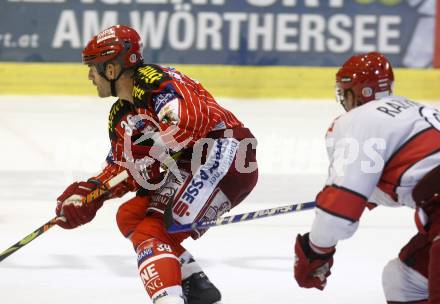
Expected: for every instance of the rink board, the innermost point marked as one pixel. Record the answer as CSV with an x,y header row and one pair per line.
x,y
261,82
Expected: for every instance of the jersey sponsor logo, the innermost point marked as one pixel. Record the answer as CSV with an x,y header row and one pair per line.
x,y
169,113
138,92
181,209
206,179
150,74
117,106
162,98
182,206
154,285
159,295
144,254
150,278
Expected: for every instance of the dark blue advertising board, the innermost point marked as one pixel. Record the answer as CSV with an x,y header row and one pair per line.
x,y
233,32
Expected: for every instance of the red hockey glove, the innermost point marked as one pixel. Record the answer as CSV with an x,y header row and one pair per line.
x,y
71,211
311,269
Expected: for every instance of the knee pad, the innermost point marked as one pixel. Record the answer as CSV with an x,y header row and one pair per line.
x,y
130,214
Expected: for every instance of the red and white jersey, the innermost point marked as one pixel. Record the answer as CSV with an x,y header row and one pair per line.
x,y
378,152
176,104
180,102
119,123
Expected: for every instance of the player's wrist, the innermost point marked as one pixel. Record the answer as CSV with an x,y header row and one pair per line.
x,y
321,250
315,252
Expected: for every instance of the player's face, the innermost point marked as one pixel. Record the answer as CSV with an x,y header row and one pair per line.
x,y
102,85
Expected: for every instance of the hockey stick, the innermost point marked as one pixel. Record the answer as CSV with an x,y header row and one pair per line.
x,y
173,227
90,197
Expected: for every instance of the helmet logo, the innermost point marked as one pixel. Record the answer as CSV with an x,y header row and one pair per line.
x,y
367,92
106,34
106,53
132,58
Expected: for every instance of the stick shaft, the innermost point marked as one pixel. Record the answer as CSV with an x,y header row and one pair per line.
x,y
174,228
90,197
26,240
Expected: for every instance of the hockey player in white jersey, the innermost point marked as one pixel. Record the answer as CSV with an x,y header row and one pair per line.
x,y
384,151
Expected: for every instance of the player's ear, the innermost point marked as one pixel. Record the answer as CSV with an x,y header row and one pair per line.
x,y
111,70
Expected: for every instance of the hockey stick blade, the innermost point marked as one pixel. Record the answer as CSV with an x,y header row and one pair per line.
x,y
92,195
175,228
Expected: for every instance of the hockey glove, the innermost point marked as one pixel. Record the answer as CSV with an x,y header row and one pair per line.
x,y
311,269
71,211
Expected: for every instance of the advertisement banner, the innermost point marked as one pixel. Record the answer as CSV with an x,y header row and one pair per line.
x,y
232,32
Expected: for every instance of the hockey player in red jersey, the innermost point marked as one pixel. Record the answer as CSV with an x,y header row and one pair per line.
x,y
385,151
180,147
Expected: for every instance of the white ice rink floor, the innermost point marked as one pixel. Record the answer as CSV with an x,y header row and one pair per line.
x,y
47,142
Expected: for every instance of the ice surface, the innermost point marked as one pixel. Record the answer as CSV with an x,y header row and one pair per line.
x,y
46,142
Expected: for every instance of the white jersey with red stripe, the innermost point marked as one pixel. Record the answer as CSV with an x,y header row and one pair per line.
x,y
378,152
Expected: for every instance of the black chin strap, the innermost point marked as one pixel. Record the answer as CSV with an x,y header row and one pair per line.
x,y
113,84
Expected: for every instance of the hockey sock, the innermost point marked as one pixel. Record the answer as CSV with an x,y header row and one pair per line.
x,y
189,265
159,269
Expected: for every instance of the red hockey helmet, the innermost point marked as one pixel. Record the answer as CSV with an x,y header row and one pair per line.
x,y
368,76
118,43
